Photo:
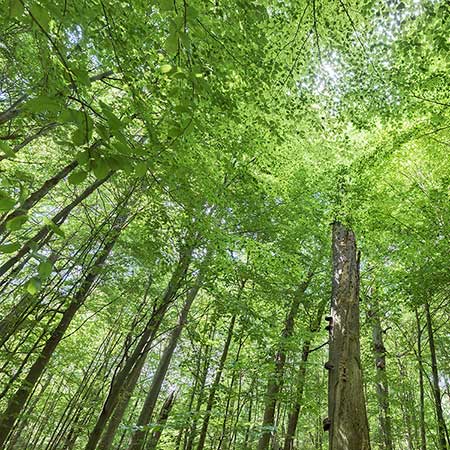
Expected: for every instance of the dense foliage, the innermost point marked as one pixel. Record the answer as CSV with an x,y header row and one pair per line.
x,y
169,173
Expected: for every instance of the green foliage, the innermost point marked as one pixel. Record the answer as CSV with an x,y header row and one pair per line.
x,y
241,129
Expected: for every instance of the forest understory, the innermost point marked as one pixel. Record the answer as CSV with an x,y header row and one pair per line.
x,y
224,224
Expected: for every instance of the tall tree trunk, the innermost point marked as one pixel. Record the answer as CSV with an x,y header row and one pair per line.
x,y
382,388
215,385
436,388
120,379
138,438
17,402
46,230
191,433
36,196
119,411
300,384
347,417
163,416
276,378
423,436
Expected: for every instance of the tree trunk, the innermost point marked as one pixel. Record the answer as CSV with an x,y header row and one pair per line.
x,y
215,385
119,381
276,378
436,388
300,384
137,440
45,231
17,402
36,196
347,417
382,388
423,436
163,416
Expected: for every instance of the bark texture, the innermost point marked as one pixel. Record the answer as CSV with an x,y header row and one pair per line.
x,y
276,379
442,429
382,388
347,417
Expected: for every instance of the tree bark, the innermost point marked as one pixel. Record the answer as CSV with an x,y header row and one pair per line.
x,y
45,231
300,384
382,388
142,347
163,416
17,402
347,417
138,438
215,385
276,378
423,436
442,431
36,196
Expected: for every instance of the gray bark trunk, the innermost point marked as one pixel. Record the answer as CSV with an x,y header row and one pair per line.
x,y
347,417
138,438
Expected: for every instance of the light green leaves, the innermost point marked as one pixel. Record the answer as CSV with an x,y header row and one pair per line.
x,y
43,103
33,286
16,223
6,202
141,169
45,269
165,68
7,150
9,248
101,168
77,177
55,228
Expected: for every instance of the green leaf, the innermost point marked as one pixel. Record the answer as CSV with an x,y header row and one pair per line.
x,y
45,269
16,223
141,169
9,248
43,103
6,202
171,45
166,68
33,286
77,177
165,5
16,8
7,150
40,15
55,228
101,169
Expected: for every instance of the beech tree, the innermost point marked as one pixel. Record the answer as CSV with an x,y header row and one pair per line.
x,y
224,225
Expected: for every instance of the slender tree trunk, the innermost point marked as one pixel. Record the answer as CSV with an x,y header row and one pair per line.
x,y
276,378
192,432
347,417
215,385
137,440
36,196
407,405
382,388
17,402
300,384
46,231
423,436
119,411
163,416
436,388
118,382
